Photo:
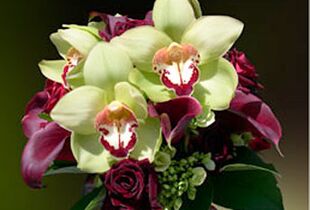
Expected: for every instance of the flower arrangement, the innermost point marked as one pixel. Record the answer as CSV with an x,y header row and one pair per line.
x,y
161,113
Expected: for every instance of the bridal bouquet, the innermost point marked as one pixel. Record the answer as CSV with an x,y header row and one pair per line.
x,y
162,113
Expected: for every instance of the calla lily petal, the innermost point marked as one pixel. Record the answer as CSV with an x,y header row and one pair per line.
x,y
77,110
52,69
151,85
173,17
218,82
132,97
258,114
212,36
149,140
89,153
42,148
175,115
106,65
141,44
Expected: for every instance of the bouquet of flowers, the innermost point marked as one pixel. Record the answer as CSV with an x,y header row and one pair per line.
x,y
160,113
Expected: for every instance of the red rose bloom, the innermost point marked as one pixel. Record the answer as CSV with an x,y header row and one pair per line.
x,y
245,69
131,185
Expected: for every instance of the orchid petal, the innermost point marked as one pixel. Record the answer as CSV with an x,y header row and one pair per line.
x,y
90,29
149,140
106,65
42,148
151,85
89,153
77,110
173,17
141,44
196,7
175,115
78,39
258,114
75,77
61,45
218,82
132,97
117,125
212,36
52,69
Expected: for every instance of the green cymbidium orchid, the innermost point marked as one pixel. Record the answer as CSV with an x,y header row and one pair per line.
x,y
106,127
182,55
73,44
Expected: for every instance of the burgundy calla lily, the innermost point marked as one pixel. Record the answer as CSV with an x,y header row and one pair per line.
x,y
42,148
258,115
47,141
175,115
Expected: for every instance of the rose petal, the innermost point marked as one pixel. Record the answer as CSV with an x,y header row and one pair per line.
x,y
175,115
42,148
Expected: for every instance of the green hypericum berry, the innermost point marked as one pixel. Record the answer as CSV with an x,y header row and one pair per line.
x,y
162,161
183,176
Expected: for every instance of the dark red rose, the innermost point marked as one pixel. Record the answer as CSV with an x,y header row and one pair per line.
x,y
117,25
245,69
131,185
47,141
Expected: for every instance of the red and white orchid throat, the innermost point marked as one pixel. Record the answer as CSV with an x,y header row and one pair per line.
x,y
73,59
116,124
177,66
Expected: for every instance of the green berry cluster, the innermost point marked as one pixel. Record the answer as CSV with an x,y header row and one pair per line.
x,y
183,176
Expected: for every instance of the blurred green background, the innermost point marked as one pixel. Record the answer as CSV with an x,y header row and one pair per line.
x,y
275,39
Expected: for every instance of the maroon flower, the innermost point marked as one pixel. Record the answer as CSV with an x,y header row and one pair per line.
x,y
131,185
245,69
255,116
175,115
117,25
47,140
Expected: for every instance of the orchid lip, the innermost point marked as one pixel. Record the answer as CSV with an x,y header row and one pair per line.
x,y
116,124
177,66
73,59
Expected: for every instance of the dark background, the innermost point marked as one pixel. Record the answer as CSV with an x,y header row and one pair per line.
x,y
275,39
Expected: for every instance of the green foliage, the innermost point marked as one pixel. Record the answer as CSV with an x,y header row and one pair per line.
x,y
91,201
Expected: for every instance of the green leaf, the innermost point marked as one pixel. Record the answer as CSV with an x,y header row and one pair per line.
x,y
45,116
203,198
247,159
247,190
92,201
64,170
